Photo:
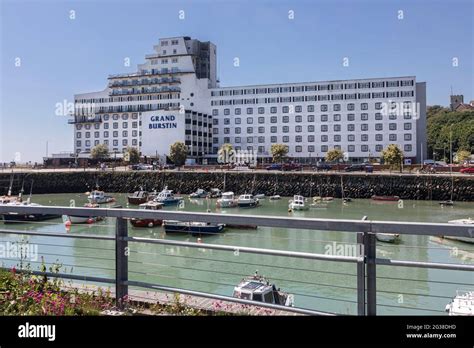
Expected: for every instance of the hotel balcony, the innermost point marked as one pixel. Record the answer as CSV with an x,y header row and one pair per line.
x,y
146,91
152,72
85,119
144,82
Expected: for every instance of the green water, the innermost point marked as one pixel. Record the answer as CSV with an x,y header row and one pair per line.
x,y
321,285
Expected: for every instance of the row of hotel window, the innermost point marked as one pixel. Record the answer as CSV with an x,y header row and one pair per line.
x,y
115,125
311,138
115,134
88,102
311,118
407,105
164,60
314,87
323,148
311,128
125,142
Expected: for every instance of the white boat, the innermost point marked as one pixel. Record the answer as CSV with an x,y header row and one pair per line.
x,y
260,196
462,304
200,193
387,237
275,197
215,193
247,201
75,219
167,197
227,200
297,203
99,197
467,221
257,288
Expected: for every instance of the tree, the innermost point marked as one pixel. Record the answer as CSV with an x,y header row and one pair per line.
x,y
334,155
393,156
279,152
132,155
224,153
178,153
100,151
462,155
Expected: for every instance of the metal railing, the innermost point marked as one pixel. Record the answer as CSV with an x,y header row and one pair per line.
x,y
366,262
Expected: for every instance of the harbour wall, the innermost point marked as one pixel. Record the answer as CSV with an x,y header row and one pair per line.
x,y
406,186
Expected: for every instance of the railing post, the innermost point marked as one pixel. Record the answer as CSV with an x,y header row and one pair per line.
x,y
361,276
121,261
369,250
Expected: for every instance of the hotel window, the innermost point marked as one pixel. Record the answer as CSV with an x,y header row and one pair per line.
x,y
378,106
324,118
79,126
311,138
285,109
96,142
261,110
299,148
407,147
215,121
407,126
392,137
124,124
96,125
273,119
337,117
106,117
392,83
351,117
298,129
261,149
407,115
351,127
134,142
135,124
350,106
106,134
351,137
298,139
337,138
115,125
115,134
378,148
378,116
364,106
261,120
237,139
237,111
174,60
125,117
364,85
324,128
324,138
379,126
407,137
336,107
364,137
285,119
286,139
124,134
87,126
226,130
226,140
78,143
249,111
164,43
324,148
215,112
115,117
261,129
310,118
337,127
124,142
249,120
273,129
96,134
238,120
164,61
273,110
298,118
364,148
298,108
134,133
237,130
364,127
249,140
378,84
286,129
226,120
226,111
364,116
324,107
311,148
249,130
351,148
106,142
310,108
378,137
88,134
273,139
311,128
392,126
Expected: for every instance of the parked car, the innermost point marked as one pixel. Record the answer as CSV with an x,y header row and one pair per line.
x,y
274,166
467,170
323,166
168,166
292,166
355,168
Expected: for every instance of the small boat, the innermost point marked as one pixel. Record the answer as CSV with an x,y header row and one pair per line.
x,y
467,221
200,193
449,203
297,203
347,200
242,227
318,205
387,237
259,289
137,222
173,226
247,201
275,197
386,198
138,197
260,196
462,304
75,219
99,197
327,199
215,193
19,217
227,200
167,197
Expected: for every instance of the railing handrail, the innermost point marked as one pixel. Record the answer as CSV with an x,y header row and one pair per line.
x,y
340,225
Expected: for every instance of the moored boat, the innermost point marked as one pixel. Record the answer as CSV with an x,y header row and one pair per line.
x,y
447,203
260,196
173,226
297,203
462,304
215,193
387,237
227,200
76,219
13,217
385,198
467,221
99,197
138,222
258,288
167,198
247,201
200,193
275,197
138,197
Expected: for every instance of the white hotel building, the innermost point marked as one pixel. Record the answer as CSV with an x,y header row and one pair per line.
x,y
174,96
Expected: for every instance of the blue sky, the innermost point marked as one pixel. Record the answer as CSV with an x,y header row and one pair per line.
x,y
62,56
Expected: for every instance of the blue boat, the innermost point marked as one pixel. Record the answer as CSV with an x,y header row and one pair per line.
x,y
173,226
166,197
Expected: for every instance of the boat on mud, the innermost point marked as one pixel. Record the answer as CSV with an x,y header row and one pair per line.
x,y
138,222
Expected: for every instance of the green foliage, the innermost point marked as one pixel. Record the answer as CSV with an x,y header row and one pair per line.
x,y
445,126
132,155
279,152
462,155
334,155
393,156
178,153
100,151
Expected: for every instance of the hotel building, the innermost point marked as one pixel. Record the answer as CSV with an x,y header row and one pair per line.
x,y
175,96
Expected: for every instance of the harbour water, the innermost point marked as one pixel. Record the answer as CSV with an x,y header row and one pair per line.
x,y
320,285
